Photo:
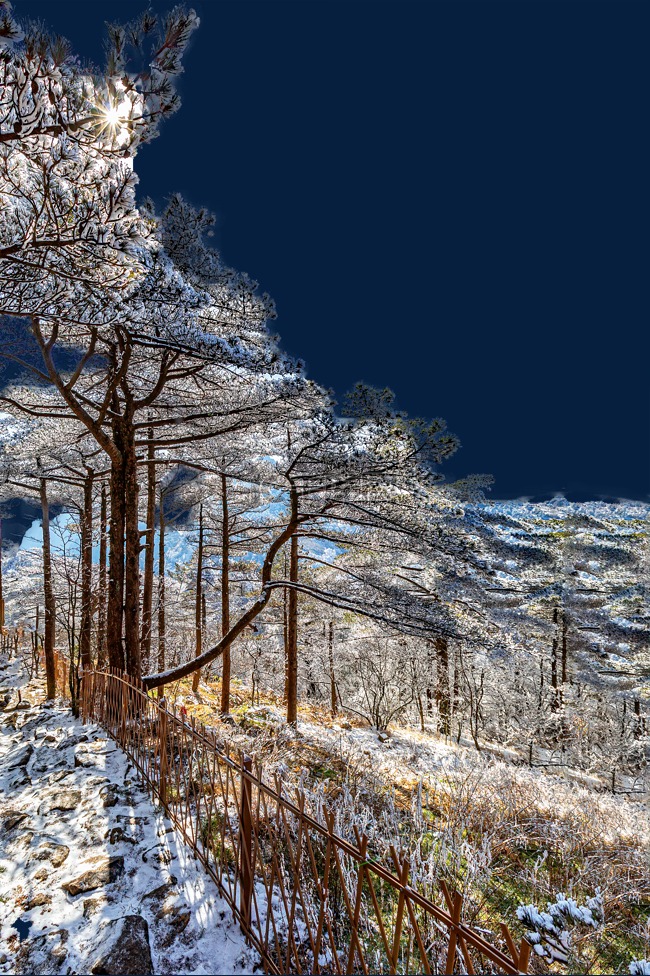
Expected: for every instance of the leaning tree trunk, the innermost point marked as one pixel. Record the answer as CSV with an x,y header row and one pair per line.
x,y
196,677
147,585
225,595
50,605
86,572
101,596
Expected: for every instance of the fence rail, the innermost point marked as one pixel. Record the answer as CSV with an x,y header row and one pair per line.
x,y
307,899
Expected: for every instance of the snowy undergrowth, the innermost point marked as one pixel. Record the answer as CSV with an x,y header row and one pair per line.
x,y
503,834
49,760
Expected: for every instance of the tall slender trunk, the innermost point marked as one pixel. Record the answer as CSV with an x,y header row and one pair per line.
x,y
115,608
147,586
2,602
161,589
132,552
330,654
101,616
555,697
85,629
291,683
443,697
50,605
225,595
198,630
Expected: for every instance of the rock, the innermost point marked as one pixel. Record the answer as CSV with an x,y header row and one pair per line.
x,y
58,776
19,779
383,736
96,781
44,955
61,800
21,706
37,900
85,760
176,919
130,819
43,763
52,852
21,757
72,740
104,871
50,737
11,819
157,855
125,948
110,797
93,905
23,839
117,835
162,890
41,875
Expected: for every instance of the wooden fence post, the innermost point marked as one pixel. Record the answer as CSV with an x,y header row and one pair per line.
x,y
164,772
246,845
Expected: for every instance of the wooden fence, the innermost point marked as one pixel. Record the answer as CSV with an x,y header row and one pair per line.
x,y
307,899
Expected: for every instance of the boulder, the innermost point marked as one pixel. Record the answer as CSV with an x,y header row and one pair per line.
x,y
21,757
11,819
61,800
37,900
93,905
104,871
117,835
161,892
44,955
20,778
56,854
72,740
124,948
158,855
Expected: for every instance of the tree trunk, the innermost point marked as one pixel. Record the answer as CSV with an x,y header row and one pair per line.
x,y
291,683
132,555
2,602
50,606
198,630
147,586
555,696
85,629
225,595
115,609
330,655
161,590
565,649
101,617
443,698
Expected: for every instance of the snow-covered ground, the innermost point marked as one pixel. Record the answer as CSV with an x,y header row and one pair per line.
x,y
93,878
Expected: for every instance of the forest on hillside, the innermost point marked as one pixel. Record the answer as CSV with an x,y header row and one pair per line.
x,y
210,522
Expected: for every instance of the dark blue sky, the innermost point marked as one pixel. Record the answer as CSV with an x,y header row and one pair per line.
x,y
450,199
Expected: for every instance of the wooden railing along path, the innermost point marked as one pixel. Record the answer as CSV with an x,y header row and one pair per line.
x,y
307,899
